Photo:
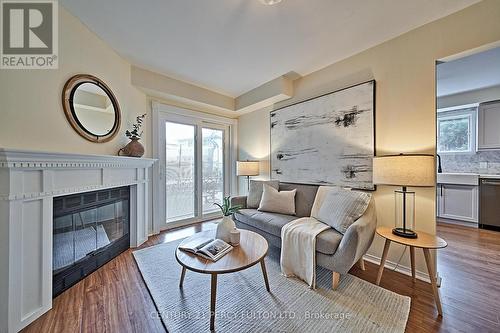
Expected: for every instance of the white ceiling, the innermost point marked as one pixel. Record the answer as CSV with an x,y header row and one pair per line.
x,y
474,72
233,46
92,88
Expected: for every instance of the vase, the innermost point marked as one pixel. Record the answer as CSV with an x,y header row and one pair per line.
x,y
235,237
133,149
224,229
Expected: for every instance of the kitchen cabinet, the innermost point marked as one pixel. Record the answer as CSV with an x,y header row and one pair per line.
x,y
488,135
458,202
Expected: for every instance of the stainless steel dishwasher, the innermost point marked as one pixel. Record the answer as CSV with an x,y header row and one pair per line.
x,y
489,203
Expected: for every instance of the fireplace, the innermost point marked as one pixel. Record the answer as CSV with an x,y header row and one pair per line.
x,y
31,185
89,229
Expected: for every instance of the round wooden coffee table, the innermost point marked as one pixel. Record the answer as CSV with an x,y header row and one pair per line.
x,y
252,250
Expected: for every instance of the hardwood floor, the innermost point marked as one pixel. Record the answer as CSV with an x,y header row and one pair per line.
x,y
115,298
470,287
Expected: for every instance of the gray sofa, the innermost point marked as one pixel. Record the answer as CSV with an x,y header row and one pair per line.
x,y
334,251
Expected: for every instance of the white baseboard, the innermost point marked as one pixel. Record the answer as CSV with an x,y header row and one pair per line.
x,y
400,268
173,225
457,222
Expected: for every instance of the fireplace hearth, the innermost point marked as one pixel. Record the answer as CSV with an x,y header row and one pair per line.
x,y
89,229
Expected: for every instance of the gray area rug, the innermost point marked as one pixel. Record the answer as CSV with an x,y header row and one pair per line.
x,y
244,305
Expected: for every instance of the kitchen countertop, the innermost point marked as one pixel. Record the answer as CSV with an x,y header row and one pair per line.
x,y
458,178
463,178
489,176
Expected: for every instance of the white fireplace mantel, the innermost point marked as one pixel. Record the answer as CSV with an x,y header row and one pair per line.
x,y
29,181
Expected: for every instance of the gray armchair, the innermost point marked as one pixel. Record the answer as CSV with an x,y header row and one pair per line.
x,y
354,244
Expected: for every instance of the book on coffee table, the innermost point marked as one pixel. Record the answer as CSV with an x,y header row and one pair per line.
x,y
208,248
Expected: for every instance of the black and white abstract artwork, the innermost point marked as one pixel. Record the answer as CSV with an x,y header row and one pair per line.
x,y
328,140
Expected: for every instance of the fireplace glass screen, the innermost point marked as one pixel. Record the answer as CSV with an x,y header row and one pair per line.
x,y
85,227
80,234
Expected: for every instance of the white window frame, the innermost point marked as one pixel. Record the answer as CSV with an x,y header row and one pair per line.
x,y
470,113
164,112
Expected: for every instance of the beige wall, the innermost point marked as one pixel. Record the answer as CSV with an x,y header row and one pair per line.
x,y
162,86
404,69
254,130
31,115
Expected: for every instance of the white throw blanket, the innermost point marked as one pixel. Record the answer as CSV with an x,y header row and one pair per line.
x,y
298,248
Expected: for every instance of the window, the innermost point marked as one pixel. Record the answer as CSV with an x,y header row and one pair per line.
x,y
457,131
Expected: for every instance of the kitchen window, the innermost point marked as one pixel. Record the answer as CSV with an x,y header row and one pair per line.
x,y
457,131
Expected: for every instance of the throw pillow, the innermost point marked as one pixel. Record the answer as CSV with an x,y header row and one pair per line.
x,y
341,208
255,192
277,202
321,194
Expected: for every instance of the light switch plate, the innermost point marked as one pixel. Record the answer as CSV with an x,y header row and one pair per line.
x,y
483,165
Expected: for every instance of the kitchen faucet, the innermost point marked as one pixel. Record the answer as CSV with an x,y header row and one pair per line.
x,y
440,170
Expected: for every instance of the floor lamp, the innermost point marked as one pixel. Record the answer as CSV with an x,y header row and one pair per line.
x,y
415,170
247,168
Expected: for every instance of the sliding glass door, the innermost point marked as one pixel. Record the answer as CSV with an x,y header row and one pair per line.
x,y
180,173
195,169
212,175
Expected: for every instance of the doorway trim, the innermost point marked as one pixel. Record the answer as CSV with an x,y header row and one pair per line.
x,y
448,58
161,111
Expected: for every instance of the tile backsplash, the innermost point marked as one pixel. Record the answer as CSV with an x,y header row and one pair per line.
x,y
482,162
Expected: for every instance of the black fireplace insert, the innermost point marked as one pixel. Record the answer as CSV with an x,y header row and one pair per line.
x,y
89,230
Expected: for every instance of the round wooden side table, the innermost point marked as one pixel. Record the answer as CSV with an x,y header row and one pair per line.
x,y
424,241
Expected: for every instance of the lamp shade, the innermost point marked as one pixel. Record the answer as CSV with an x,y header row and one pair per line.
x,y
247,168
404,170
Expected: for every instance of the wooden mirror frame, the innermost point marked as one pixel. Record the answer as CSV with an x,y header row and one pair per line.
x,y
67,100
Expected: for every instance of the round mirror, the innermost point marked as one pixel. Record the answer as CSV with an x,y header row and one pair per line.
x,y
91,108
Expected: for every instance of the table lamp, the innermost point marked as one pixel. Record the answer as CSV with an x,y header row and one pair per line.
x,y
247,168
405,170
